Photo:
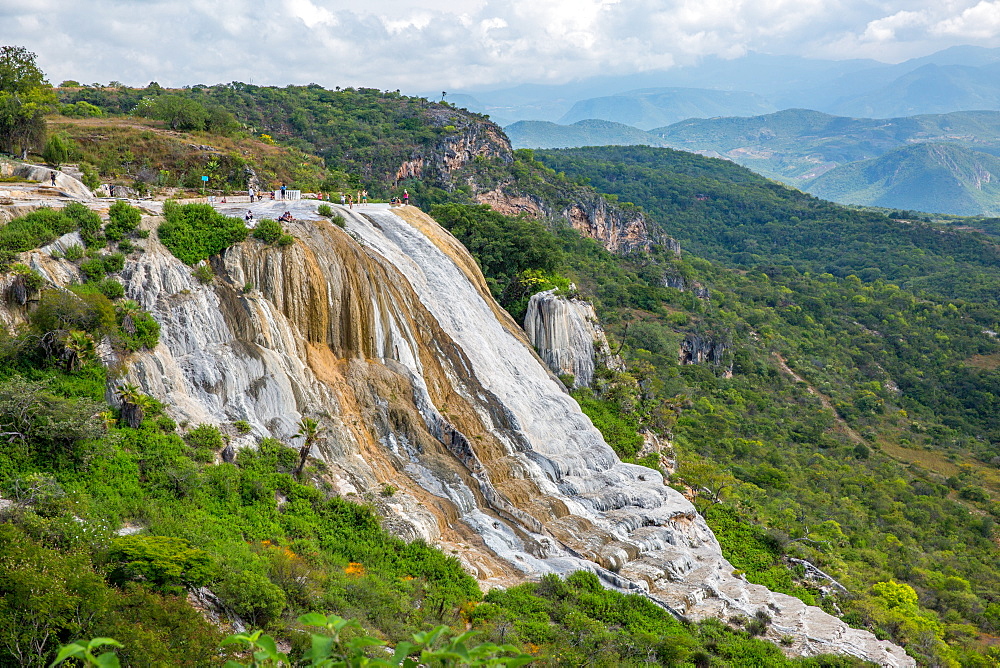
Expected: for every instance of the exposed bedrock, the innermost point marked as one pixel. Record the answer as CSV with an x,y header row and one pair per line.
x,y
567,336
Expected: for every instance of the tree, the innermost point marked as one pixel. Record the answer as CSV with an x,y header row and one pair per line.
x,y
134,404
24,98
310,430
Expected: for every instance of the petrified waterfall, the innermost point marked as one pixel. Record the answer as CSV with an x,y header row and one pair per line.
x,y
567,336
386,333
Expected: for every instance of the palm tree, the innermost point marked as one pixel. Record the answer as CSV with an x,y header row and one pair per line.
x,y
79,348
134,403
127,310
310,430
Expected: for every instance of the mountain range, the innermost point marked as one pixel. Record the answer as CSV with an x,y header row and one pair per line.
x,y
955,79
849,160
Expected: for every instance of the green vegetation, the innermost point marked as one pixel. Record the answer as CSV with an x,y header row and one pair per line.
x,y
590,132
517,255
862,474
267,230
725,213
794,144
195,232
25,96
364,134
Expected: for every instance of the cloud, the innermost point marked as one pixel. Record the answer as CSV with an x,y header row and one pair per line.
x,y
428,44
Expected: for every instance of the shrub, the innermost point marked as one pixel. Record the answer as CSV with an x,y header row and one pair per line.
x,y
252,596
81,308
123,218
285,240
204,274
339,221
102,265
164,563
74,252
56,150
194,232
325,210
268,231
111,288
90,177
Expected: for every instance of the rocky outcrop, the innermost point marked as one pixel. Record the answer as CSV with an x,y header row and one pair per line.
x,y
702,349
567,336
474,139
385,332
66,185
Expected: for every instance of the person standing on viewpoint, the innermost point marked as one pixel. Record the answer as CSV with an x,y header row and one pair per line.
x,y
406,196
282,191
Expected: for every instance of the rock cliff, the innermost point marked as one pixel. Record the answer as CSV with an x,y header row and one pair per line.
x,y
567,336
456,161
386,333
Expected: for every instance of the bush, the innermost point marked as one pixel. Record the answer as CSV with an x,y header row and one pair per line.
x,y
89,176
56,150
253,597
203,274
111,288
325,210
163,563
98,267
268,231
339,221
87,221
194,232
123,218
285,240
74,252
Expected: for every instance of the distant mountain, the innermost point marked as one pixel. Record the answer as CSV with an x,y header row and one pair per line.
x,y
590,132
942,178
798,145
653,107
928,89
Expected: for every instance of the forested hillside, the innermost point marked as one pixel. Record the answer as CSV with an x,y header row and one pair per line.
x,y
946,178
363,134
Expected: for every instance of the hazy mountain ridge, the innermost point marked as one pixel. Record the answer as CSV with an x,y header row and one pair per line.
x,y
949,80
590,132
944,178
650,108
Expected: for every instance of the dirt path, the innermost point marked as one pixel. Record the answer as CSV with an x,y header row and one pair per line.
x,y
823,399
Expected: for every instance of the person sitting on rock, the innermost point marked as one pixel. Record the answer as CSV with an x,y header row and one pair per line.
x,y
249,216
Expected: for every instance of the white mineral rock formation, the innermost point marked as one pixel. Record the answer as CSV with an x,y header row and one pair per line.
x,y
567,336
385,332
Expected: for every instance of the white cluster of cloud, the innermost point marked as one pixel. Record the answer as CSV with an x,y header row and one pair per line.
x,y
427,44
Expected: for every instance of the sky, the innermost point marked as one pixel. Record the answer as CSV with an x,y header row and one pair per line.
x,y
463,44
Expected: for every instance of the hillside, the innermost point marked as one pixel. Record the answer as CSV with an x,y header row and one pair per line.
x,y
929,89
726,213
143,154
654,107
590,132
944,178
820,384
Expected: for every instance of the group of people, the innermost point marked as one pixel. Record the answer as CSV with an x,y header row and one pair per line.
x,y
286,217
258,194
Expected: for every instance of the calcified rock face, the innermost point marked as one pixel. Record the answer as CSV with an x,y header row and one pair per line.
x,y
386,333
567,336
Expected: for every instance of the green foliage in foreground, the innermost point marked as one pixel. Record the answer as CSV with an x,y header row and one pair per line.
x,y
195,232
